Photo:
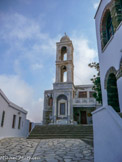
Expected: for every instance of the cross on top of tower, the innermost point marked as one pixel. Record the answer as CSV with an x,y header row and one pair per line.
x,y
65,38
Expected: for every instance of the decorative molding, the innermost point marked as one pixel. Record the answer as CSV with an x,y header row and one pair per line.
x,y
117,73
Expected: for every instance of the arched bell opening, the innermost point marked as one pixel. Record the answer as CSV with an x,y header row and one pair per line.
x,y
63,53
63,73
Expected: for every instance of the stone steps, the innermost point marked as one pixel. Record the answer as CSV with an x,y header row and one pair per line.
x,y
84,132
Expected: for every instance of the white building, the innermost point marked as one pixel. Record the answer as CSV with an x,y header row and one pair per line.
x,y
13,122
107,122
67,103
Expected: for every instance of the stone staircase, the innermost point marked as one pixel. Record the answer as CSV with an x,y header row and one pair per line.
x,y
83,132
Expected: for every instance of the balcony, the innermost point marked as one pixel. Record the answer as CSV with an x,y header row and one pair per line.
x,y
85,102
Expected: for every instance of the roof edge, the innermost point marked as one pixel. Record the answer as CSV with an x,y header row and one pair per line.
x,y
98,8
11,104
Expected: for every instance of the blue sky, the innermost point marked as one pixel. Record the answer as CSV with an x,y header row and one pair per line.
x,y
29,30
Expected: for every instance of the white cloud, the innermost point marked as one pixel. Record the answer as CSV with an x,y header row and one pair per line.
x,y
18,27
95,5
26,39
22,94
83,55
37,66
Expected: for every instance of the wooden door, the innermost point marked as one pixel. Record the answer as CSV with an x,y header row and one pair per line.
x,y
83,117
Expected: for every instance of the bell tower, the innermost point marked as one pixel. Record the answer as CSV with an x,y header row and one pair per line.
x,y
63,88
64,61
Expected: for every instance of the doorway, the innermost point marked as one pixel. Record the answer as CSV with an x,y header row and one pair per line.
x,y
83,117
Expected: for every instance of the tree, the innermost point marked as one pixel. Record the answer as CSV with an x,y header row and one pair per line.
x,y
96,82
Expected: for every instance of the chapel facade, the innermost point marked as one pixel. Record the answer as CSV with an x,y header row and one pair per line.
x,y
107,121
67,103
108,20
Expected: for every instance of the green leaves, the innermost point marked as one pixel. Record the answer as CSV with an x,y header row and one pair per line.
x,y
96,82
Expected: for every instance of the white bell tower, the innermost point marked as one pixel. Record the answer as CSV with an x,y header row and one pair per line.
x,y
64,61
63,87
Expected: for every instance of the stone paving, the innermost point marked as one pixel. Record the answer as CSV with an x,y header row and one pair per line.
x,y
47,150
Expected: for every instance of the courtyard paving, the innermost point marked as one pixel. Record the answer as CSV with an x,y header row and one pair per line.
x,y
47,150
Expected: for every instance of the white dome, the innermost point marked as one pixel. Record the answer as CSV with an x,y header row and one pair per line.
x,y
65,39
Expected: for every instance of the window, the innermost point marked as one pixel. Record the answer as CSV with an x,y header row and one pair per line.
x,y
62,104
91,94
3,117
50,101
62,108
112,17
83,94
112,92
19,123
14,121
107,29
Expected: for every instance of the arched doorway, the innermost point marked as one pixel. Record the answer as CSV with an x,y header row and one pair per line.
x,y
112,92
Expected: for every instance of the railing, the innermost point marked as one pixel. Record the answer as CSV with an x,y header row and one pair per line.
x,y
84,101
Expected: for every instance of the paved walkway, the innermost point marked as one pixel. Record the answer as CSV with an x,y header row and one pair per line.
x,y
50,150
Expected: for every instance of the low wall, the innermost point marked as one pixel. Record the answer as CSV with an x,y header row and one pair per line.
x,y
107,126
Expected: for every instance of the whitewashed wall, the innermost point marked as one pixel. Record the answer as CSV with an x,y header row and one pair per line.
x,y
112,54
107,135
7,130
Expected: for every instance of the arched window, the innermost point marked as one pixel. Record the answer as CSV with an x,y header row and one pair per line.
x,y
63,74
63,53
107,29
62,105
112,92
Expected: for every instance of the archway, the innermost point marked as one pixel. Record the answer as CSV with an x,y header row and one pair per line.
x,y
112,92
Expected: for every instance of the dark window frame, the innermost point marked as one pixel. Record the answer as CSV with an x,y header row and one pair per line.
x,y
14,121
19,122
3,119
109,27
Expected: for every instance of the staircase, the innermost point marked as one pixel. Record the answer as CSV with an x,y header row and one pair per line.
x,y
83,132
